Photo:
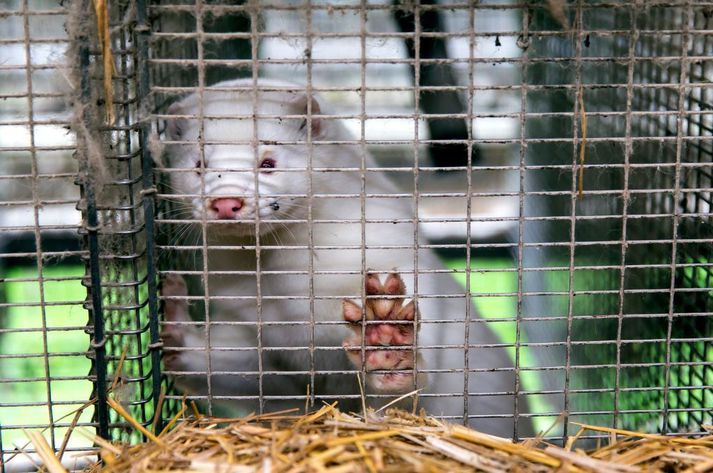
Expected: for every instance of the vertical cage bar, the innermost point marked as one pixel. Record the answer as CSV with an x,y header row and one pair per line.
x,y
416,168
362,177
310,197
127,38
254,38
200,54
36,214
676,208
576,125
521,215
148,193
628,145
468,214
98,340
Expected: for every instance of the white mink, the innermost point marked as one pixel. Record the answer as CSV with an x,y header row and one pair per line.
x,y
225,198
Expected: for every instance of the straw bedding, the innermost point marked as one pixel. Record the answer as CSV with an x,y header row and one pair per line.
x,y
391,440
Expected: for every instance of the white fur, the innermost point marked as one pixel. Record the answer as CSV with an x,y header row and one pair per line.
x,y
336,247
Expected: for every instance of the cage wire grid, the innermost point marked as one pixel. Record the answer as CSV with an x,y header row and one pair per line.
x,y
40,322
606,310
615,44
65,227
117,188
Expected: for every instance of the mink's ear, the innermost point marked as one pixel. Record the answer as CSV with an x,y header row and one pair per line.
x,y
176,127
301,105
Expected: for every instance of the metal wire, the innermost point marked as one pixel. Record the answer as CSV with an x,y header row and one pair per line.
x,y
69,200
38,233
542,73
601,302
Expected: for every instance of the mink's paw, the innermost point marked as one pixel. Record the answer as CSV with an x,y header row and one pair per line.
x,y
384,303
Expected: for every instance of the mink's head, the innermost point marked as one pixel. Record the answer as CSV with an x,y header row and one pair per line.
x,y
238,156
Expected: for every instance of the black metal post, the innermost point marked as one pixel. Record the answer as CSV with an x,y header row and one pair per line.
x,y
91,227
148,194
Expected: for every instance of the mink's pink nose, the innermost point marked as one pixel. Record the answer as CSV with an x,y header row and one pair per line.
x,y
227,208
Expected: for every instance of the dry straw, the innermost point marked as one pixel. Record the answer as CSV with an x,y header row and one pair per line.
x,y
329,440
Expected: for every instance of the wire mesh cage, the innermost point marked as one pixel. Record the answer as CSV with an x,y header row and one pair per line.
x,y
43,348
640,73
117,187
504,206
73,216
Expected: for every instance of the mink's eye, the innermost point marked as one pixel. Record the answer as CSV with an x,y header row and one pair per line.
x,y
267,164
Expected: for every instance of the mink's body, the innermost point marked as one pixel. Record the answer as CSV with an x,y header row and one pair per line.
x,y
333,250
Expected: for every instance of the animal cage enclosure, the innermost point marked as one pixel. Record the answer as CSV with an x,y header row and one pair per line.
x,y
555,156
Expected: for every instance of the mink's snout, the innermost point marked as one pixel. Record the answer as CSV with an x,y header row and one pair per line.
x,y
227,208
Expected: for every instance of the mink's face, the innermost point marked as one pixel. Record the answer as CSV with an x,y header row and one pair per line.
x,y
234,175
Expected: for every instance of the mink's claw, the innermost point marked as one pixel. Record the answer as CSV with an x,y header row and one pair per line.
x,y
399,337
